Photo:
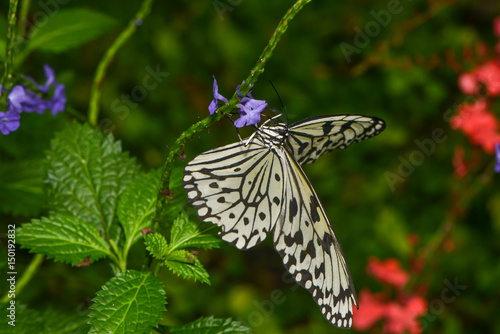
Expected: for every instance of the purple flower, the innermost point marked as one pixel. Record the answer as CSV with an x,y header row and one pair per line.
x,y
51,79
497,156
16,97
214,104
249,108
35,102
58,101
249,111
9,121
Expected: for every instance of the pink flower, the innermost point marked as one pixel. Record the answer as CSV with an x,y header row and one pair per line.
x,y
372,308
403,317
487,74
467,83
389,272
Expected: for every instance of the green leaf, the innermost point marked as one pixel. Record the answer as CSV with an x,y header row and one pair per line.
x,y
62,322
186,233
63,238
156,245
87,172
137,204
179,200
25,320
210,325
21,188
48,321
185,264
131,302
67,29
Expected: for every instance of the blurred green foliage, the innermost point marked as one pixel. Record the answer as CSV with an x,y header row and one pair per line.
x,y
404,74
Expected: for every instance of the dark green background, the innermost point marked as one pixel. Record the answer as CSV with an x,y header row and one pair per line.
x,y
410,83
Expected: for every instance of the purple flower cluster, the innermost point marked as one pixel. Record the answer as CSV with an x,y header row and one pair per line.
x,y
249,108
23,99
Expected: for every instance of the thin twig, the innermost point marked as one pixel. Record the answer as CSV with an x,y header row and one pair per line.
x,y
95,94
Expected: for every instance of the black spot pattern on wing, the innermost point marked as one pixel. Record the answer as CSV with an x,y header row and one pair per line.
x,y
310,252
313,137
239,188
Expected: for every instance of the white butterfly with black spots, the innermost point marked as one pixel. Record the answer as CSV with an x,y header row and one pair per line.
x,y
256,186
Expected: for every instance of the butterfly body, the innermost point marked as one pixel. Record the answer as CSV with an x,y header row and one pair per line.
x,y
256,186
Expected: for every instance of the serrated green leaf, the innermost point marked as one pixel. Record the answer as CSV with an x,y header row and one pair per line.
x,y
137,203
210,325
185,264
21,188
186,233
63,238
67,29
156,245
87,172
131,302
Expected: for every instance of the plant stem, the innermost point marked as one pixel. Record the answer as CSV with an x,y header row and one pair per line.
x,y
30,271
11,34
23,15
257,70
95,94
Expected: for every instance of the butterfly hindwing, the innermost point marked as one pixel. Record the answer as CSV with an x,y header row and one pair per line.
x,y
310,250
312,137
239,188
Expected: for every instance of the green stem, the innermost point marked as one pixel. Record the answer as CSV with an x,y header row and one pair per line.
x,y
257,70
11,33
28,274
23,17
95,94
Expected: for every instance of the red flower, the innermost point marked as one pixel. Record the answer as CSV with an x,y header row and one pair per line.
x,y
389,272
399,317
372,308
487,74
402,318
478,123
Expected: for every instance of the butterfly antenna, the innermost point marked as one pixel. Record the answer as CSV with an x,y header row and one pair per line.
x,y
281,102
237,131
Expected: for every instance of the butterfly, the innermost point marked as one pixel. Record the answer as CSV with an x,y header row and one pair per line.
x,y
257,185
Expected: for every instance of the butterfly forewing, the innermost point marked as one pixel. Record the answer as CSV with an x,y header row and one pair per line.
x,y
310,138
239,188
310,250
